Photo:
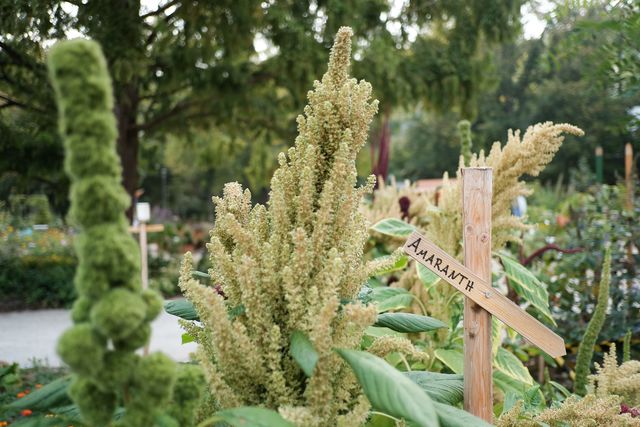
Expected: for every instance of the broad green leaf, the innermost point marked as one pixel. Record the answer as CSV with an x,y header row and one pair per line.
x,y
389,391
39,421
400,264
393,227
303,352
397,302
379,420
407,322
453,359
426,276
562,389
387,298
527,285
248,416
72,413
496,335
510,400
511,366
450,416
383,293
374,282
50,395
534,399
187,338
376,332
181,308
508,384
443,388
8,370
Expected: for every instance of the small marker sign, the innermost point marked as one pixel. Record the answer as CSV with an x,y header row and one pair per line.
x,y
471,285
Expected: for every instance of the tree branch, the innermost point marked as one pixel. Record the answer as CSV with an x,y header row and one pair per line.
x,y
10,102
161,9
551,247
180,107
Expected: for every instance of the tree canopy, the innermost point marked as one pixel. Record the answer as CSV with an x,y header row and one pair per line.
x,y
235,69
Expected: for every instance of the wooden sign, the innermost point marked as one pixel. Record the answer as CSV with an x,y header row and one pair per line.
x,y
482,293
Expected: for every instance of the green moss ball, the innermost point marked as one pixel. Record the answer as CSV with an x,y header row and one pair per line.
x,y
119,313
155,303
153,381
108,253
118,368
97,200
81,310
96,406
82,348
138,338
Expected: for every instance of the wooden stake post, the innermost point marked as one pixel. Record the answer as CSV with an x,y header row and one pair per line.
x,y
142,229
473,279
628,174
477,191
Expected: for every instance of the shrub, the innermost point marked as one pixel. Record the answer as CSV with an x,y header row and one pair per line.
x,y
112,314
36,270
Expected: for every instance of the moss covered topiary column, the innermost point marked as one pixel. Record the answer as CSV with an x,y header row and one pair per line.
x,y
112,314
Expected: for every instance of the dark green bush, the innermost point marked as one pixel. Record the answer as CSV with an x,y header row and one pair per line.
x,y
36,271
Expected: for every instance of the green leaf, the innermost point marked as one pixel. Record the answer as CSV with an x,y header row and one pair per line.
x,y
303,352
443,388
393,227
426,276
187,338
496,335
450,416
236,311
39,421
527,285
8,370
400,264
387,298
72,413
510,400
508,377
195,273
534,399
508,384
453,359
562,389
407,322
380,420
50,395
507,363
248,416
397,302
181,308
383,293
389,391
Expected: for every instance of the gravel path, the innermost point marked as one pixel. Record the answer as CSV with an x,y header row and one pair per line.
x,y
29,335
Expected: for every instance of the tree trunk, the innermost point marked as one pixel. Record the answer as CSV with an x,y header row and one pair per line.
x,y
381,168
128,141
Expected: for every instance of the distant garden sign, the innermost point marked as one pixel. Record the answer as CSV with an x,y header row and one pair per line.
x,y
473,279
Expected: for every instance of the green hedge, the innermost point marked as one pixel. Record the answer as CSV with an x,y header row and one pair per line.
x,y
36,280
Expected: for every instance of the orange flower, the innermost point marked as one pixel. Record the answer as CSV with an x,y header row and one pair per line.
x,y
4,423
26,412
21,395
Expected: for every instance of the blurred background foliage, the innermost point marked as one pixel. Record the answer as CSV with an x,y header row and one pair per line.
x,y
208,92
